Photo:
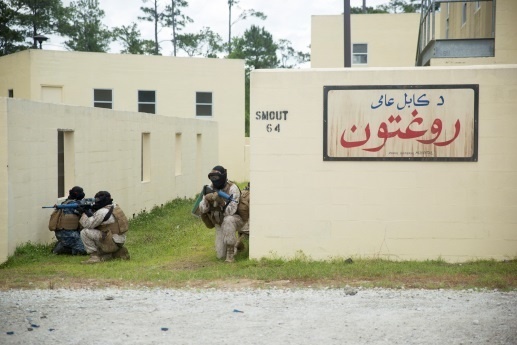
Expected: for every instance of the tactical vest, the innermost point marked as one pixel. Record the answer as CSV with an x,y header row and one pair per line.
x,y
121,224
64,219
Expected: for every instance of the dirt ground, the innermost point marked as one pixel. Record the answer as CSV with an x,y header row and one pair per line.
x,y
257,316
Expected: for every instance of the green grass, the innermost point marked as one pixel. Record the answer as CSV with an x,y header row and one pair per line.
x,y
171,248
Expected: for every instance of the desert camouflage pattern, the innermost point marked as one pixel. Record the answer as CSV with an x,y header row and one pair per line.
x,y
226,227
92,236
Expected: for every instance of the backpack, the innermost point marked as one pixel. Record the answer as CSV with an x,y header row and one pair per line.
x,y
244,204
54,220
121,224
64,219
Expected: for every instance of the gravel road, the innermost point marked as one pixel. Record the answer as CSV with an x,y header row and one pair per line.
x,y
257,316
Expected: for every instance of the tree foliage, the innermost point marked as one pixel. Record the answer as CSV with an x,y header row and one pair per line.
x,y
206,43
12,38
154,15
30,18
242,16
368,10
129,36
289,57
401,6
176,20
257,48
85,29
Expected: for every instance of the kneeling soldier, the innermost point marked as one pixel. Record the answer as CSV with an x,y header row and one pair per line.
x,y
104,230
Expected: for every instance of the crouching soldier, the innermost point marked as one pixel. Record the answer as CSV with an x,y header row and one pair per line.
x,y
221,214
104,230
65,224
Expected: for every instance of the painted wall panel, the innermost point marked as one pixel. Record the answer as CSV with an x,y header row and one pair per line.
x,y
405,210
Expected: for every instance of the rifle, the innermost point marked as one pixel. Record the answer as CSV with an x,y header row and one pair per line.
x,y
84,203
207,190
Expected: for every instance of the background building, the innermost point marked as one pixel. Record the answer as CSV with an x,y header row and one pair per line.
x,y
460,33
195,88
377,40
468,33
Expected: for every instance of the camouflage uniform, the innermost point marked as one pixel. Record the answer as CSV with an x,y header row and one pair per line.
x,y
69,240
226,221
91,236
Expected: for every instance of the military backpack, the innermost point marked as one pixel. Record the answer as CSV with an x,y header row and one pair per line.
x,y
244,204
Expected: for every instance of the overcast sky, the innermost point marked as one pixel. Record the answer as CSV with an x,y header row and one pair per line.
x,y
286,19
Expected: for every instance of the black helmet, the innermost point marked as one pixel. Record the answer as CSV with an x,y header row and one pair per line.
x,y
218,177
102,199
76,193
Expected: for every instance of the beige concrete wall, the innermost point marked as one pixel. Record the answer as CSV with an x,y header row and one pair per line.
x,y
456,211
506,32
4,182
105,155
391,38
14,76
175,80
247,159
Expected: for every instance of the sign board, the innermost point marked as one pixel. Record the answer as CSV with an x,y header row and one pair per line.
x,y
401,123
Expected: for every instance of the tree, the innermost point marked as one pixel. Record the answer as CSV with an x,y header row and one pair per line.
x,y
244,14
205,43
369,10
257,48
85,29
152,14
289,57
130,38
411,6
11,38
175,19
37,17
401,6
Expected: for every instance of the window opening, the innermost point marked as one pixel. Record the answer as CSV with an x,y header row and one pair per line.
x,y
147,102
103,98
178,154
203,104
146,158
360,54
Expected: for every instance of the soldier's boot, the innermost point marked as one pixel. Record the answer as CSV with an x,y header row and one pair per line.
x,y
230,252
94,259
61,249
106,256
122,254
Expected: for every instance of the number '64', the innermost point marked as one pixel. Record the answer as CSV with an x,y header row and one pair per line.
x,y
269,128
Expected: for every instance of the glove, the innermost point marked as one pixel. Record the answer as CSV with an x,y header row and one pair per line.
x,y
88,212
207,190
78,211
211,197
220,201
